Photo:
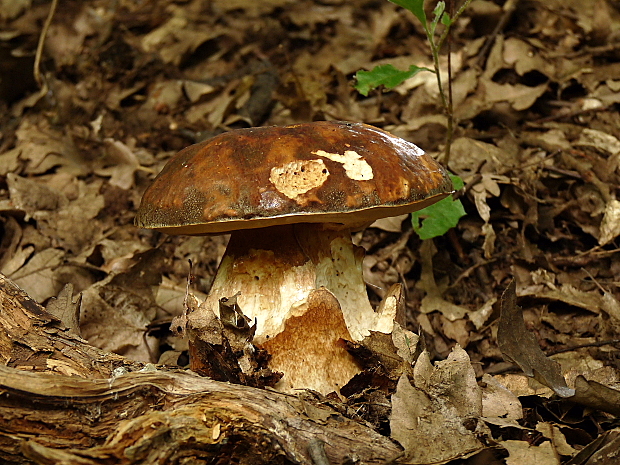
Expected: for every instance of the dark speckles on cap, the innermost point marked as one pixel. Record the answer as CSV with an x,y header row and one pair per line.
x,y
224,183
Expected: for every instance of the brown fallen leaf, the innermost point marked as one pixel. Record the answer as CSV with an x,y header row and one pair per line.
x,y
31,197
437,420
498,401
602,451
425,433
42,148
66,308
116,311
519,346
557,438
39,275
521,452
433,300
596,395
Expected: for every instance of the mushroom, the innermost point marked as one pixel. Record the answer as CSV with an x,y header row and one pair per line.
x,y
290,197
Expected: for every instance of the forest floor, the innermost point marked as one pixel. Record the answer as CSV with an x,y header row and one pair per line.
x,y
127,84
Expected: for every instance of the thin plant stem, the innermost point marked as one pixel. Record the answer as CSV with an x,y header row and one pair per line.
x,y
453,19
450,108
37,58
446,99
450,129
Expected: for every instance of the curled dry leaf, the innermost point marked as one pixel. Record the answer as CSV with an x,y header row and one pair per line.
x,y
223,349
603,450
597,396
470,156
426,434
542,284
599,140
42,148
121,164
557,438
71,222
519,346
610,226
39,275
384,359
31,197
177,38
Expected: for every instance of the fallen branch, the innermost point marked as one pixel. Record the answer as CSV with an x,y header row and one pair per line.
x,y
81,413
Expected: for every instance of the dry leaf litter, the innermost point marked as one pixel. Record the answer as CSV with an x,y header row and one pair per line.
x,y
537,144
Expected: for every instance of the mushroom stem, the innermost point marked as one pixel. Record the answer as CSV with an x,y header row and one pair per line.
x,y
275,270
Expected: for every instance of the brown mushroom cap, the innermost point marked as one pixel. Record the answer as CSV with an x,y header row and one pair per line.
x,y
323,172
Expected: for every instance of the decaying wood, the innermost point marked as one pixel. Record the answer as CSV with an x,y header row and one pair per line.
x,y
33,339
100,408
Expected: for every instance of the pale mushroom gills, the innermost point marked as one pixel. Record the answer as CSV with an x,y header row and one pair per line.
x,y
289,197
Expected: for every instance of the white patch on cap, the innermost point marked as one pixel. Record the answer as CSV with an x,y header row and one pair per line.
x,y
298,177
354,165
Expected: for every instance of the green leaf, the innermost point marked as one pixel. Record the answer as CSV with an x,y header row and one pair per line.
x,y
438,218
437,15
415,6
446,20
438,11
385,75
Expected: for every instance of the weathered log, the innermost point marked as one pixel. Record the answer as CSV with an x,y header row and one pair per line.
x,y
32,339
63,401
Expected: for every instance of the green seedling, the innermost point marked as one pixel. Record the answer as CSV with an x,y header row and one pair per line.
x,y
445,214
435,220
389,76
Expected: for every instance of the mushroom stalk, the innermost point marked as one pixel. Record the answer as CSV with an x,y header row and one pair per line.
x,y
275,268
276,271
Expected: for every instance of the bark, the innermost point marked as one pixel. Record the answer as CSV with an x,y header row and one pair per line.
x,y
63,401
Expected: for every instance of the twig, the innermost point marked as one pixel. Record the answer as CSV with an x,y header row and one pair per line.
x,y
571,114
509,8
470,270
587,51
596,251
610,342
37,58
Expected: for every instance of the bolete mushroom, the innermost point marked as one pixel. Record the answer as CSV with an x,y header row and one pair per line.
x,y
290,197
